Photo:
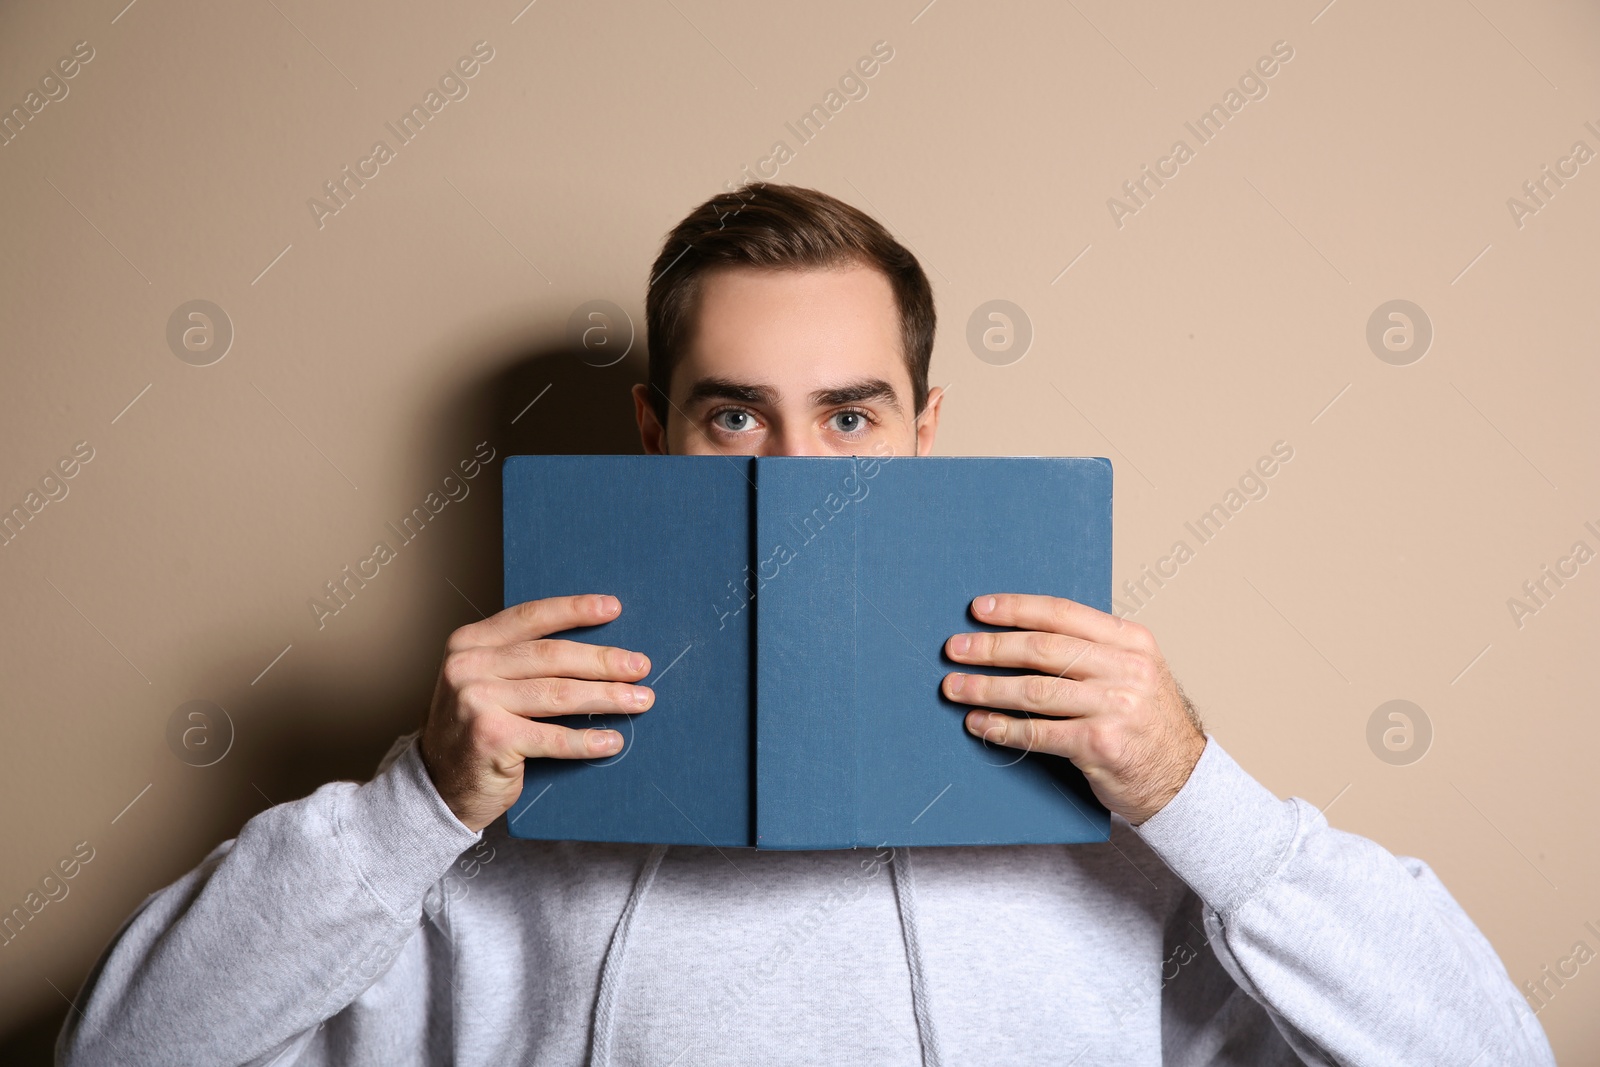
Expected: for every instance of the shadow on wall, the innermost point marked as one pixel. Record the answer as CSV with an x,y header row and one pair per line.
x,y
326,727
318,725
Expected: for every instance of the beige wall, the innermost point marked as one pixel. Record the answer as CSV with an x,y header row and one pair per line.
x,y
375,351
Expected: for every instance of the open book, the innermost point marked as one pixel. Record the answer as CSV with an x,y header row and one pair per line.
x,y
795,611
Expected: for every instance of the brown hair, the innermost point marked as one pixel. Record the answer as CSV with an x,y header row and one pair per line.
x,y
778,227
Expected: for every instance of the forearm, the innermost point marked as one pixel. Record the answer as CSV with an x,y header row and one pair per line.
x,y
1359,956
275,933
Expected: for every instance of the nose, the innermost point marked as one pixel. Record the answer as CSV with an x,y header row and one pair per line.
x,y
795,441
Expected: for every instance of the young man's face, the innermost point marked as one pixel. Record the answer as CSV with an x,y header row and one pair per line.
x,y
792,363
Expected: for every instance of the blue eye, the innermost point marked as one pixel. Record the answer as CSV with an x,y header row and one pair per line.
x,y
851,423
742,424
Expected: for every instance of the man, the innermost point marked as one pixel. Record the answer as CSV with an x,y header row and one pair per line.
x,y
1218,925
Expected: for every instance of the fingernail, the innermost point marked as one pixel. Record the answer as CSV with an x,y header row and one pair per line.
x,y
635,663
957,681
641,695
987,605
609,604
604,740
960,645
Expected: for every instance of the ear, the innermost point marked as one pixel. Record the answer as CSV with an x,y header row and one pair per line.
x,y
928,421
651,433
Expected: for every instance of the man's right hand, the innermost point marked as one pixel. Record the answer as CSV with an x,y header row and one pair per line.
x,y
499,673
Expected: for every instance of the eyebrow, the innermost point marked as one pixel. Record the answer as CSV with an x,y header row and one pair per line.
x,y
715,388
856,392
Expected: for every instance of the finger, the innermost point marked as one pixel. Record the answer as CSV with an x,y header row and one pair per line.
x,y
1040,693
1036,650
551,658
536,618
546,740
544,697
1054,736
1059,615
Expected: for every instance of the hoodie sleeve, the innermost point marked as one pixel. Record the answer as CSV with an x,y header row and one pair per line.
x,y
243,958
1357,956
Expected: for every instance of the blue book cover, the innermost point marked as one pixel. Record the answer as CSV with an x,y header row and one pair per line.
x,y
795,610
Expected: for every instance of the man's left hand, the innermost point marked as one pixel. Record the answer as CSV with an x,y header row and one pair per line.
x,y
1115,709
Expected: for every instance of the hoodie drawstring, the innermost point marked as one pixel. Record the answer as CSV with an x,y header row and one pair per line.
x,y
603,1027
905,898
605,1006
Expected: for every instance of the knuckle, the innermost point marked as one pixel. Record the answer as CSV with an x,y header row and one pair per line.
x,y
997,731
1040,644
490,735
533,654
474,698
555,694
1033,733
1142,669
1018,731
1047,734
459,668
1038,691
560,742
1101,740
542,738
522,652
1135,634
1122,701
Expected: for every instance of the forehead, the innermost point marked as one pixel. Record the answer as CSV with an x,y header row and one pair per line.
x,y
796,325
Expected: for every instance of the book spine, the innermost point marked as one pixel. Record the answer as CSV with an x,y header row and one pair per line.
x,y
805,640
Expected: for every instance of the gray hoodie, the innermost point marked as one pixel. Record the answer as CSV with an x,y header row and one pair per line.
x,y
364,924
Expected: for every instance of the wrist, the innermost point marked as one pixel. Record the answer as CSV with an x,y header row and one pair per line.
x,y
448,787
1177,766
